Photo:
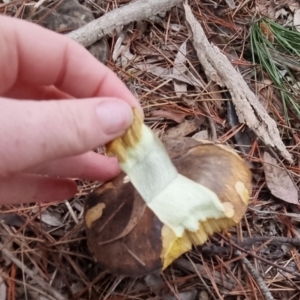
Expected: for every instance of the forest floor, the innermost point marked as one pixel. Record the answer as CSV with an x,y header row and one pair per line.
x,y
43,246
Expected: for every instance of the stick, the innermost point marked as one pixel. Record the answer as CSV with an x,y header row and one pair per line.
x,y
260,258
260,282
135,11
43,284
212,250
218,68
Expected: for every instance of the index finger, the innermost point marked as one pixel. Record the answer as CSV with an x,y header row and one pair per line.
x,y
34,55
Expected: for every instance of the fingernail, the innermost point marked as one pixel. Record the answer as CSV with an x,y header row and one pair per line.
x,y
115,116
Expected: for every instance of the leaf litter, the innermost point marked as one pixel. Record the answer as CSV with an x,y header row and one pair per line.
x,y
180,69
278,180
147,58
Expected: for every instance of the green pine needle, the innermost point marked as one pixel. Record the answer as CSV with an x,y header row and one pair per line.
x,y
275,48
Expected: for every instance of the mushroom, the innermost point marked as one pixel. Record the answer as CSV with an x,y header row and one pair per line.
x,y
128,237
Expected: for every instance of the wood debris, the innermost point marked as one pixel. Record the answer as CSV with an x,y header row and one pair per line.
x,y
144,58
249,110
134,11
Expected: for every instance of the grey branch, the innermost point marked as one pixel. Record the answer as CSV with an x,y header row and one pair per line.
x,y
219,69
135,11
260,282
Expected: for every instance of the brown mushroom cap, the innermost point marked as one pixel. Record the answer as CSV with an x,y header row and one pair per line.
x,y
126,237
221,170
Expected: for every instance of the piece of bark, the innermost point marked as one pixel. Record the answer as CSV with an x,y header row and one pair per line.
x,y
218,68
134,11
183,129
169,115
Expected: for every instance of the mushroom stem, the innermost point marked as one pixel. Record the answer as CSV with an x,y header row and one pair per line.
x,y
177,201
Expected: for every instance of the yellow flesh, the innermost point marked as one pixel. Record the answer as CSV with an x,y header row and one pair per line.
x,y
93,214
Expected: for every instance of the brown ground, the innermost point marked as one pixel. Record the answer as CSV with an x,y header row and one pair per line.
x,y
49,240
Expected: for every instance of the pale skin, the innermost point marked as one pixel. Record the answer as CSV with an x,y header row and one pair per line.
x,y
57,104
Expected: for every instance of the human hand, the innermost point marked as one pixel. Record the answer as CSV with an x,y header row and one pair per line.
x,y
79,110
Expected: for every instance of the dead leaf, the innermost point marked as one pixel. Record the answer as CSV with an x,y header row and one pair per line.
x,y
189,79
201,135
264,84
266,7
51,218
126,56
281,13
155,283
176,27
158,287
152,69
188,295
167,73
12,220
278,181
178,118
230,4
36,6
180,68
119,45
203,295
297,19
182,130
76,287
293,5
2,289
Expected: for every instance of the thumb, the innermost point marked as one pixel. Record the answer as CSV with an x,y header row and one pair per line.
x,y
34,132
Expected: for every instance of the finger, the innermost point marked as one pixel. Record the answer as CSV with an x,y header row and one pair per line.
x,y
57,60
26,188
35,132
90,166
22,90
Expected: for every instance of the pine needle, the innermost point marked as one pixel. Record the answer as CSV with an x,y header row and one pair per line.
x,y
276,49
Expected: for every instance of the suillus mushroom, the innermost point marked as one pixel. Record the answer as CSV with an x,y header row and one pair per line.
x,y
171,199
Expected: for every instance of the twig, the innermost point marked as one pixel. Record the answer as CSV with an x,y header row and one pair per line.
x,y
44,285
260,282
135,11
260,258
218,68
211,122
29,286
273,240
212,250
290,281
